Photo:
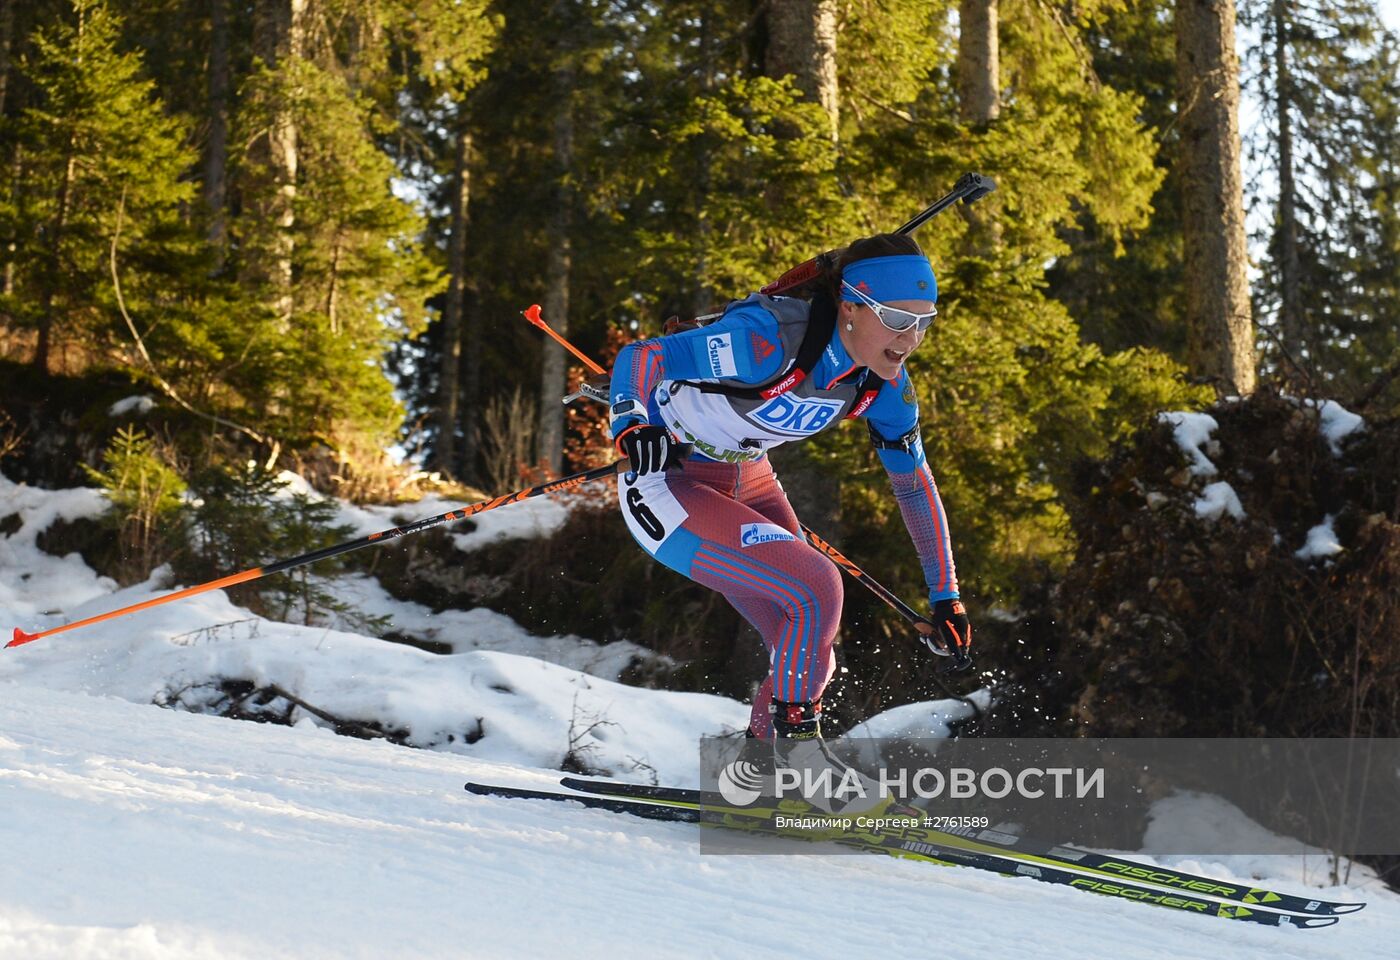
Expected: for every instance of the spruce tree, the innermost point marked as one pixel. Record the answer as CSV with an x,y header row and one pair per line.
x,y
96,156
1128,293
1323,156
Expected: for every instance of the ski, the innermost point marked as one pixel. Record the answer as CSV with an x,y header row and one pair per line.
x,y
990,841
689,809
1034,851
675,812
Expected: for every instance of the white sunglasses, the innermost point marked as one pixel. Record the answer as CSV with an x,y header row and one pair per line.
x,y
893,318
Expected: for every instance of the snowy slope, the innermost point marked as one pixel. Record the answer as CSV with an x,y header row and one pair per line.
x,y
130,831
503,695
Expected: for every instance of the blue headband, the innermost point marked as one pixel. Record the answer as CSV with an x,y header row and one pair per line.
x,y
903,277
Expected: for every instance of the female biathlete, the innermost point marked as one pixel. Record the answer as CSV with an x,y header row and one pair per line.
x,y
772,370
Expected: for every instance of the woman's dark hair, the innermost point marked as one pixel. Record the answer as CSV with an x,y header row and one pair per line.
x,y
867,248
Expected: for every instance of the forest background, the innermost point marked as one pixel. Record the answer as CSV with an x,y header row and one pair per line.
x,y
308,229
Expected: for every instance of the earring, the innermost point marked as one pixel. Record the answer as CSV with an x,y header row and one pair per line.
x,y
848,326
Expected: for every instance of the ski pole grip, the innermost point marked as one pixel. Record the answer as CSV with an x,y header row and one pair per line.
x,y
929,635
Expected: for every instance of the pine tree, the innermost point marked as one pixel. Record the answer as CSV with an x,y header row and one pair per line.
x,y
97,155
421,76
1322,153
361,275
1130,294
683,140
1009,394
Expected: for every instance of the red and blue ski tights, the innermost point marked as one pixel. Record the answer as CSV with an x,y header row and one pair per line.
x,y
731,528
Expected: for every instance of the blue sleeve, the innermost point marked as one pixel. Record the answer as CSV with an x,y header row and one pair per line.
x,y
894,417
743,346
740,346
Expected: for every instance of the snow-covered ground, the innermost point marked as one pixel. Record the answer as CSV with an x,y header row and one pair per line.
x,y
130,831
504,693
127,830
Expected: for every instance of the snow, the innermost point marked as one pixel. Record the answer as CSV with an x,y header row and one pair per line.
x,y
32,581
1192,432
1321,541
1337,423
921,720
1202,820
536,517
1187,818
134,831
483,629
141,405
1218,499
504,706
502,692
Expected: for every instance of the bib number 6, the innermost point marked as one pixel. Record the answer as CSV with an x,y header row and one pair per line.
x,y
651,510
641,513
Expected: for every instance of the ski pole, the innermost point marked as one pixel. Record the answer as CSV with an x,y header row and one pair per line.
x,y
961,660
921,623
554,486
532,313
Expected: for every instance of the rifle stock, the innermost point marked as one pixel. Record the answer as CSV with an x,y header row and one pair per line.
x,y
970,188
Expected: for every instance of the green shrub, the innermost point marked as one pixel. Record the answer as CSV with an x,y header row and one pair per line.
x,y
147,495
243,518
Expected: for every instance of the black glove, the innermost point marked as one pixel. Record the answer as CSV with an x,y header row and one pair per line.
x,y
650,448
952,634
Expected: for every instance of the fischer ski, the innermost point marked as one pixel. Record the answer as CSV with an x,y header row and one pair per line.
x,y
687,807
1035,851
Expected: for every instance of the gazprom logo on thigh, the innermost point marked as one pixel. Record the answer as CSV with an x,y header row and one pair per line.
x,y
752,534
797,416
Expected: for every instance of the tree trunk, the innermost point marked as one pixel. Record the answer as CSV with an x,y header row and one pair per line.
x,y
472,346
7,30
216,150
278,39
979,62
449,374
1290,300
333,284
553,368
11,244
1220,326
802,43
52,268
979,103
701,297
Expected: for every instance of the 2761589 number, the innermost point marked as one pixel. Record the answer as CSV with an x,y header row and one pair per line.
x,y
934,822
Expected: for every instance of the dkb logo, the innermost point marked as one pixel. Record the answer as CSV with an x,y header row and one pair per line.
x,y
797,417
